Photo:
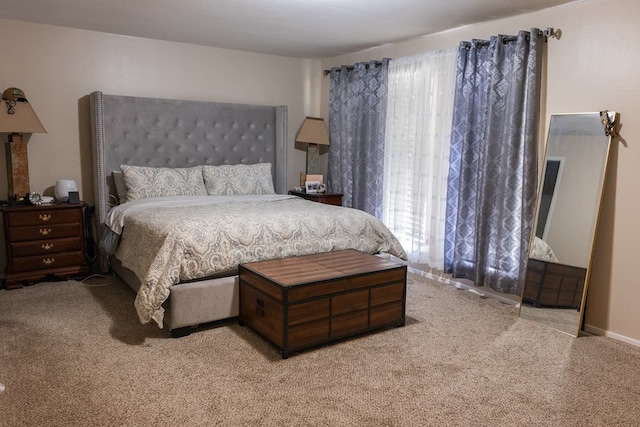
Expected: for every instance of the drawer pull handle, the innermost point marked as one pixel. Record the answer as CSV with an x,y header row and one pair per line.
x,y
45,217
45,231
47,246
48,261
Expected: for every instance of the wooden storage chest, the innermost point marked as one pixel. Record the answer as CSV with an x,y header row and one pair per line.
x,y
300,302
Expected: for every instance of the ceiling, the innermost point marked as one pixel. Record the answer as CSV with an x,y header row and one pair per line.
x,y
295,28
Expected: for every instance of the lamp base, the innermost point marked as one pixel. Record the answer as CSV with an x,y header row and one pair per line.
x,y
17,166
313,159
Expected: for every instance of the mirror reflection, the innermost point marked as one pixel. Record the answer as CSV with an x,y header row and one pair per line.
x,y
568,206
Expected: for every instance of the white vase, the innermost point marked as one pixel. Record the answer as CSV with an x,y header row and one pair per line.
x,y
63,186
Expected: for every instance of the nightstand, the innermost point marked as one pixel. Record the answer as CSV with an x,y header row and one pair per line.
x,y
327,198
44,240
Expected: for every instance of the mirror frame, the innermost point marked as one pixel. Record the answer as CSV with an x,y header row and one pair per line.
x,y
609,121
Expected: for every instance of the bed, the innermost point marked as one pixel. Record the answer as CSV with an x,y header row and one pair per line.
x,y
220,164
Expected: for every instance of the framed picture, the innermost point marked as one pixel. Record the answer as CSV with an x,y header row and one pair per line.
x,y
314,178
312,186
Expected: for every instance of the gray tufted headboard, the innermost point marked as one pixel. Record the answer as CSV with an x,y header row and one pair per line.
x,y
174,133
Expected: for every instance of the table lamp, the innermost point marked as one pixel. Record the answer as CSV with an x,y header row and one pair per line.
x,y
313,132
17,118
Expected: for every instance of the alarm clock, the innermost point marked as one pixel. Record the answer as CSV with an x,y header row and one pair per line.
x,y
36,198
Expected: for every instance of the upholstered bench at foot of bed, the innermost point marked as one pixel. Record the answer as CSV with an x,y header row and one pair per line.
x,y
193,303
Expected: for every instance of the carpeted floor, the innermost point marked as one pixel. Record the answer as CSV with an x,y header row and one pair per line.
x,y
76,355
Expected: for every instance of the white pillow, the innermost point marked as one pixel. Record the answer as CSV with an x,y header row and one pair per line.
x,y
145,182
230,180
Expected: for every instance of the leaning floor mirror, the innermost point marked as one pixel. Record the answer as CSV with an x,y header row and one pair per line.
x,y
569,197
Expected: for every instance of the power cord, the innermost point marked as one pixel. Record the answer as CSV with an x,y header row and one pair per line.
x,y
101,276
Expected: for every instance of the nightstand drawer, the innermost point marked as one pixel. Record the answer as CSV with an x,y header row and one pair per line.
x,y
20,234
45,262
43,217
22,249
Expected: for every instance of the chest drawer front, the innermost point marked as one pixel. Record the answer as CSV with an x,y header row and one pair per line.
x,y
50,231
308,334
386,314
21,249
387,294
43,217
350,302
309,311
45,262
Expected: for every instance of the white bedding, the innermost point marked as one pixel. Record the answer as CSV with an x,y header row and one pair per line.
x,y
168,240
542,251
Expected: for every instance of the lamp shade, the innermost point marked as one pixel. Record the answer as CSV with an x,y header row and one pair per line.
x,y
313,131
17,117
24,120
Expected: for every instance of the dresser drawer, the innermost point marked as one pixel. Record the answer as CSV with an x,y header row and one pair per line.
x,y
49,231
45,262
22,249
43,217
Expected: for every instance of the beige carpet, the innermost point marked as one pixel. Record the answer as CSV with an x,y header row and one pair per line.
x,y
73,355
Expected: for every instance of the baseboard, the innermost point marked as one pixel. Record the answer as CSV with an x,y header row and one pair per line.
x,y
601,332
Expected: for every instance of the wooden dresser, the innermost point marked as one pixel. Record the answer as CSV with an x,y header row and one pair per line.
x,y
44,240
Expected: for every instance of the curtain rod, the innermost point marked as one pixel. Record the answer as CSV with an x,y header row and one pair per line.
x,y
549,32
351,67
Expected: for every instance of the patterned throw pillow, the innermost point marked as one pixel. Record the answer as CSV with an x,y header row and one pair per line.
x,y
230,180
145,182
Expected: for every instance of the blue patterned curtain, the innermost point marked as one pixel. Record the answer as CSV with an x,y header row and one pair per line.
x,y
493,160
357,113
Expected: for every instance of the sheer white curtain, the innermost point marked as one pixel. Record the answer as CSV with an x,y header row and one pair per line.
x,y
416,162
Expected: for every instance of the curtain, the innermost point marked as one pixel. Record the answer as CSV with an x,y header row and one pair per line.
x,y
416,155
357,111
493,160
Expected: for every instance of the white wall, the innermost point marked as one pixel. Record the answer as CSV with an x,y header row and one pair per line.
x,y
594,66
572,216
57,68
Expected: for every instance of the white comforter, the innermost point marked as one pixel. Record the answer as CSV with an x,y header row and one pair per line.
x,y
167,240
542,251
